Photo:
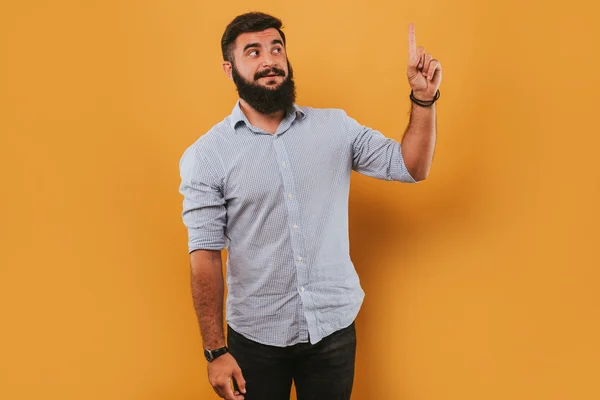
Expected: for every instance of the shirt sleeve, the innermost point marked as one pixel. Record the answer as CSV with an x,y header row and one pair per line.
x,y
375,155
204,212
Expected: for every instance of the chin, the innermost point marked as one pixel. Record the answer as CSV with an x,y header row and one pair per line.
x,y
271,84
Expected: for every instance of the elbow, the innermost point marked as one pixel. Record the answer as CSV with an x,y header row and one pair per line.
x,y
417,167
418,174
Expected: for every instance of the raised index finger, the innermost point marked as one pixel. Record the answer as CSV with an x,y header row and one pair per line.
x,y
412,41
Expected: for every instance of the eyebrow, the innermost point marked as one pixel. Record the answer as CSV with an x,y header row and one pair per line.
x,y
249,45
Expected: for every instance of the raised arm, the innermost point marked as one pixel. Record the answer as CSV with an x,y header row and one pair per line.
x,y
424,76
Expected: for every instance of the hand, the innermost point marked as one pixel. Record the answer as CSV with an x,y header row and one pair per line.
x,y
220,372
424,72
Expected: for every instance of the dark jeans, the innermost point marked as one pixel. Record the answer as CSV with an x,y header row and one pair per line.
x,y
323,371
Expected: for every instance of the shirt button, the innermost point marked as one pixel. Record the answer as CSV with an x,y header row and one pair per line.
x,y
295,226
290,195
283,163
299,258
302,289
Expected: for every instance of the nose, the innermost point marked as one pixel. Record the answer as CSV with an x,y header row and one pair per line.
x,y
268,60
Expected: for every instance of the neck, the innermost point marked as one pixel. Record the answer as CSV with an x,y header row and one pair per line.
x,y
268,123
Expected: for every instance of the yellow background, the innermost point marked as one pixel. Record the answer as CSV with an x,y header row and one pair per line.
x,y
482,282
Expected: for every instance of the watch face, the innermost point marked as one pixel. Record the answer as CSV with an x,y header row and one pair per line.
x,y
207,355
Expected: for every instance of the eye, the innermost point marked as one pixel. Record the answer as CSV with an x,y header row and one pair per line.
x,y
253,53
277,50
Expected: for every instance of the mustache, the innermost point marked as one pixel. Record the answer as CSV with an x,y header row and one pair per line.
x,y
269,71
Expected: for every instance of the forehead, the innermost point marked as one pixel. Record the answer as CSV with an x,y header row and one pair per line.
x,y
263,37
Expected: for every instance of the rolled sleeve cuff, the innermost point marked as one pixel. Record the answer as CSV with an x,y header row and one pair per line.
x,y
203,240
398,170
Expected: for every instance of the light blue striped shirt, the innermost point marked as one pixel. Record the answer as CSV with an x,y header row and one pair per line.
x,y
279,204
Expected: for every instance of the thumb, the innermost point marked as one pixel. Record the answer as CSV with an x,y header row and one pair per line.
x,y
239,379
437,77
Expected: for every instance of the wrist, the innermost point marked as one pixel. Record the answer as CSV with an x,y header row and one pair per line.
x,y
424,100
212,354
214,344
422,96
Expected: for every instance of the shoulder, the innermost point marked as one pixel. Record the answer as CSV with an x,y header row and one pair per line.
x,y
332,117
205,148
324,112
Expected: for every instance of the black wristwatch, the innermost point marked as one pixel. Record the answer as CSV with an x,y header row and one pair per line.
x,y
212,354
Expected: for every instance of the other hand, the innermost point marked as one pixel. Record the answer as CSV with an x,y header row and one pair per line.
x,y
220,372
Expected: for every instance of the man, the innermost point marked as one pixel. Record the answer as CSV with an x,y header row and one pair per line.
x,y
270,183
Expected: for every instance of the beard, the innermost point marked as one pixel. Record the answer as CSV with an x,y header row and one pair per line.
x,y
263,99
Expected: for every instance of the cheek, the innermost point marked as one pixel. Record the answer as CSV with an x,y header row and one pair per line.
x,y
246,68
246,74
250,70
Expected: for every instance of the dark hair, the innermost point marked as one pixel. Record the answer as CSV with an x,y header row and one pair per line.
x,y
249,22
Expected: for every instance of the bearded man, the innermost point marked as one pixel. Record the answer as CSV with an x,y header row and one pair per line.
x,y
270,183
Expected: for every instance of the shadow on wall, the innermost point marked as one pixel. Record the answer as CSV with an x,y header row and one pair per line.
x,y
387,220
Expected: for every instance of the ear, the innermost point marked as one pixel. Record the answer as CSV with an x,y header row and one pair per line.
x,y
227,67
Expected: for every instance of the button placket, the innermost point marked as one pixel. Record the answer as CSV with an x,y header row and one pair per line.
x,y
293,214
306,314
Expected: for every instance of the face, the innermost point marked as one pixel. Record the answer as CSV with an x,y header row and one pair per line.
x,y
260,57
261,71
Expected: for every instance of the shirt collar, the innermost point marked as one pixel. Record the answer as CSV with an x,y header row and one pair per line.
x,y
238,116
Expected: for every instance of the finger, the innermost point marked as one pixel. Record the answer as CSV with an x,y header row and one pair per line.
x,y
426,61
235,393
239,380
412,41
218,392
420,53
415,62
431,68
226,392
436,74
215,387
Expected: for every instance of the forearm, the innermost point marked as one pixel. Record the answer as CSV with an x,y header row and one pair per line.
x,y
418,142
207,294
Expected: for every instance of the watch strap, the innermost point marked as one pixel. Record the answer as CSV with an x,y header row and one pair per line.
x,y
210,355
